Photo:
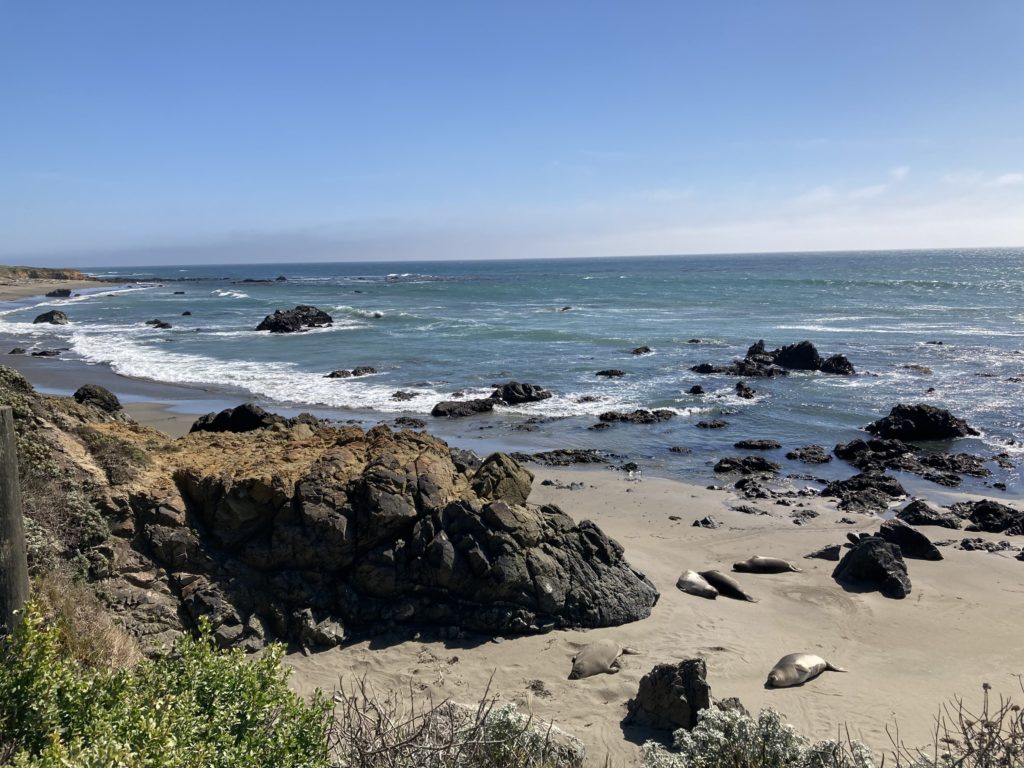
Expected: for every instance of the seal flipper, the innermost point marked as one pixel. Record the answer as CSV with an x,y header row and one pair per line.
x,y
830,666
630,651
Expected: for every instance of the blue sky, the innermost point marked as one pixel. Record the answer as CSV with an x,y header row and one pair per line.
x,y
185,131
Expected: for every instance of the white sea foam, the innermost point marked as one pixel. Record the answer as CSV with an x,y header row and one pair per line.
x,y
229,294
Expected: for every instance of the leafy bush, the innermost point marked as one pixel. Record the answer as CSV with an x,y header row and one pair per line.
x,y
733,739
200,707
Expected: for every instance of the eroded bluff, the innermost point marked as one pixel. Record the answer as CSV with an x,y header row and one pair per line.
x,y
314,534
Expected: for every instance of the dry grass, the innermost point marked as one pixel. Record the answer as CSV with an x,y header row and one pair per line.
x,y
88,632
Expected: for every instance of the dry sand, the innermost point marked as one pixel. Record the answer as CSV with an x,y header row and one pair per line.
x,y
11,290
963,625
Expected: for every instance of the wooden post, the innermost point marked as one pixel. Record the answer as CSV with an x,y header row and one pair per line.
x,y
13,560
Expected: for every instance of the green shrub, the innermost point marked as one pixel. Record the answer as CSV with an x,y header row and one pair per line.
x,y
199,707
732,739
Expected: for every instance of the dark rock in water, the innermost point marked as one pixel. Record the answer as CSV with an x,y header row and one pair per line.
x,y
801,356
920,422
409,422
831,552
744,391
587,399
53,317
838,365
878,454
179,293
877,564
924,370
747,465
866,492
157,323
707,522
939,343
601,425
454,409
912,543
712,424
956,464
46,353
758,445
610,373
671,696
696,389
991,517
565,457
402,395
809,454
186,313
101,397
501,478
245,418
17,351
59,293
642,351
363,370
341,373
280,279
919,513
294,320
515,393
694,341
639,416
680,449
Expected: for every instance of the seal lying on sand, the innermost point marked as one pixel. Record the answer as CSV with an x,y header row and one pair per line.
x,y
797,669
726,585
693,583
598,657
758,564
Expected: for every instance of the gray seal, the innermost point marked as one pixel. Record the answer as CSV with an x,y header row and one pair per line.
x,y
597,657
797,669
758,564
692,583
726,585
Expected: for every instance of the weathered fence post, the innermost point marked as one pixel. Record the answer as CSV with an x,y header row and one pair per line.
x,y
13,560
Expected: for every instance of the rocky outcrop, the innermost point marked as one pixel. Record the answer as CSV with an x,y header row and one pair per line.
x,y
566,457
920,422
918,512
866,492
744,391
874,564
611,373
100,397
759,362
59,293
244,418
53,317
671,696
295,320
159,324
809,454
757,445
747,465
639,416
912,543
515,393
879,454
455,409
991,517
501,478
644,350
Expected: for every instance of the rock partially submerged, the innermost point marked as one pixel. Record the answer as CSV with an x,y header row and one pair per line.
x,y
920,422
53,317
747,465
455,409
759,362
515,393
295,320
866,492
639,416
872,563
809,454
758,445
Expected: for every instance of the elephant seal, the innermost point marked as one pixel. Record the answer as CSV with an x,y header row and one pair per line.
x,y
758,564
797,669
726,585
597,657
693,583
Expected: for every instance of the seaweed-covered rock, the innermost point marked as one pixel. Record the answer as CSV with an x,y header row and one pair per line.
x,y
875,564
920,422
671,696
294,320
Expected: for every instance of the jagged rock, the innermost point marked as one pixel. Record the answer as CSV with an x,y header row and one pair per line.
x,y
712,424
801,356
983,545
611,373
918,512
244,418
101,397
809,454
454,409
671,696
696,389
501,478
404,396
59,293
294,320
564,457
707,522
831,552
363,370
341,373
639,416
409,422
515,393
920,422
747,465
866,492
465,461
759,362
159,324
744,391
875,564
53,317
912,543
838,365
991,517
757,445
642,351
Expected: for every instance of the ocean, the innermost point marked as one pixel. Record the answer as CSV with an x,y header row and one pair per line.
x,y
434,328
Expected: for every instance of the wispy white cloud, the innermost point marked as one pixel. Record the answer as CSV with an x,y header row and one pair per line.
x,y
968,179
817,196
1007,180
866,193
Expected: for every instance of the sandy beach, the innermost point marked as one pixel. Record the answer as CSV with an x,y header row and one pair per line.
x,y
14,289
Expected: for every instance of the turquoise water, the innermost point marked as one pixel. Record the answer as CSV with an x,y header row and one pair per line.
x,y
437,327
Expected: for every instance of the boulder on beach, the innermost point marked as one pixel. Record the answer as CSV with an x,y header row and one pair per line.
x,y
918,512
920,422
671,696
100,397
59,293
991,517
454,409
295,320
245,418
874,564
53,317
912,543
515,393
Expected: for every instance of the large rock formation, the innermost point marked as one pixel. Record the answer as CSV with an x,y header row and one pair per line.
x,y
874,564
243,418
671,696
293,320
920,422
759,362
990,516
